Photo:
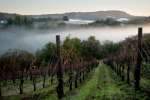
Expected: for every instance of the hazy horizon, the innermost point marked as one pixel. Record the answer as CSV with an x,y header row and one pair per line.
x,y
34,7
69,12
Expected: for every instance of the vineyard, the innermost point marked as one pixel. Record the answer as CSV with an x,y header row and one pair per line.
x,y
63,69
131,62
78,70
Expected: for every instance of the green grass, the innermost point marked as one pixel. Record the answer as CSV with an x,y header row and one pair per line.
x,y
86,89
100,84
106,88
110,87
11,98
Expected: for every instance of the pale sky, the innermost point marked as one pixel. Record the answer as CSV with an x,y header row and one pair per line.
x,y
134,7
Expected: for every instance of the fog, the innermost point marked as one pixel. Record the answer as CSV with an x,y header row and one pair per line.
x,y
34,39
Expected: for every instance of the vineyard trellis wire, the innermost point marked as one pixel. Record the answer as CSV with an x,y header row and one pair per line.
x,y
70,69
65,66
130,59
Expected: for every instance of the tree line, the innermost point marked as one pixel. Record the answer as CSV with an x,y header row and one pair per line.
x,y
19,20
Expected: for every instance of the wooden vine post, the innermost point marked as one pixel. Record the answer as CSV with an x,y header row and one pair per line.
x,y
59,89
76,77
128,65
21,82
1,79
34,83
0,88
128,72
122,72
139,61
70,76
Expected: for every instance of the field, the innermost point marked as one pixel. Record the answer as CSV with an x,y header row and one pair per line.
x,y
102,84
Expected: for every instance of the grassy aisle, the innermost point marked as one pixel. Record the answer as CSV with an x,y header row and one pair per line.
x,y
86,89
107,88
110,87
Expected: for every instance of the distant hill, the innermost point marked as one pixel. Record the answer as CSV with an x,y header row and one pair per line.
x,y
7,15
98,15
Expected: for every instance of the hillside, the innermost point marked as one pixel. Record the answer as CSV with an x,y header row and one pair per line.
x,y
90,15
81,15
98,18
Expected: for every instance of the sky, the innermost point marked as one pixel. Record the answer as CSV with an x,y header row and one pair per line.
x,y
34,7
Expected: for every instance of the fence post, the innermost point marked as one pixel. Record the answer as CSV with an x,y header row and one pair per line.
x,y
76,77
44,79
128,63
128,73
1,80
21,83
34,84
122,72
0,88
76,80
83,75
70,77
59,88
117,68
139,60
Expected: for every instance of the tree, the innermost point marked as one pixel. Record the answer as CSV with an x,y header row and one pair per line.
x,y
10,21
65,18
91,47
19,20
46,53
73,44
109,47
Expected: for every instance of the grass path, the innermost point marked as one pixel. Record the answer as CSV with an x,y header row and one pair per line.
x,y
105,85
86,89
107,89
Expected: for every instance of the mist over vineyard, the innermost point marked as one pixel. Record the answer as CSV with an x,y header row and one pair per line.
x,y
74,50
